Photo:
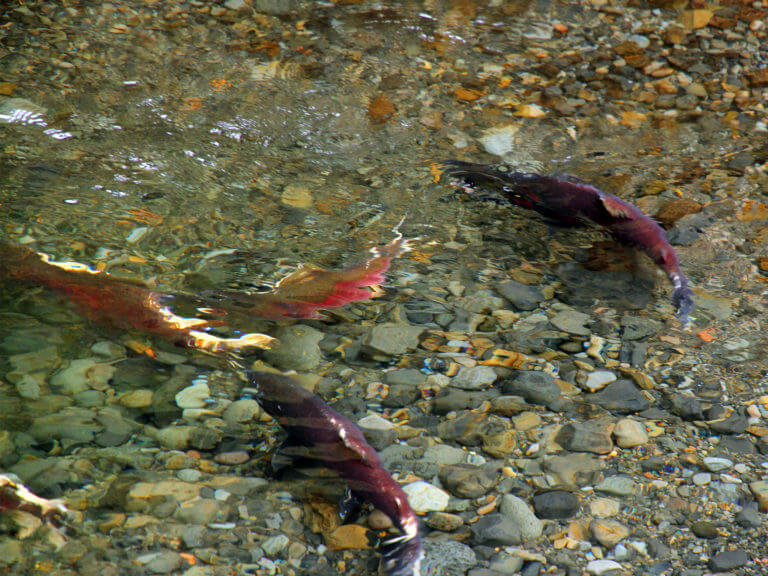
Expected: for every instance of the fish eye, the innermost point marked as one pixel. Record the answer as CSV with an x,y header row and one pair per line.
x,y
502,168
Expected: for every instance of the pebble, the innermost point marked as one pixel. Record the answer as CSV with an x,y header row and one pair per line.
x,y
621,396
534,386
496,530
393,339
425,497
556,504
467,481
474,378
715,464
162,562
522,296
521,514
242,411
599,567
444,521
446,557
591,436
701,478
140,398
572,322
273,545
598,380
298,348
728,560
195,396
617,486
608,532
630,433
83,374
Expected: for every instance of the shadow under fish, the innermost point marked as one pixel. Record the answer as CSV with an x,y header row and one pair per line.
x,y
573,203
318,432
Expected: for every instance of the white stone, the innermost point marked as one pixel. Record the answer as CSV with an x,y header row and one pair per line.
x,y
598,567
83,374
714,464
630,433
424,497
599,379
375,422
195,396
500,140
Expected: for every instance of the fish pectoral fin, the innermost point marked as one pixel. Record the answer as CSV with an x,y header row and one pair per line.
x,y
615,207
287,454
349,506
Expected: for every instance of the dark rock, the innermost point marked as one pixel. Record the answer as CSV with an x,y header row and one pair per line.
x,y
496,530
617,288
728,560
401,395
657,548
736,423
556,504
472,428
621,396
749,516
737,445
685,406
652,463
704,529
592,436
534,386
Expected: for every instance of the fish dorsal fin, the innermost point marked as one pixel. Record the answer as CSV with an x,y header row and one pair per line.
x,y
357,445
616,207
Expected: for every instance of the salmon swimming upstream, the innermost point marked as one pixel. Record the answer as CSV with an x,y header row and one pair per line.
x,y
572,203
331,438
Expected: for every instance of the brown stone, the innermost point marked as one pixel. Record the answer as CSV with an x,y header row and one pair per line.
x,y
348,537
671,211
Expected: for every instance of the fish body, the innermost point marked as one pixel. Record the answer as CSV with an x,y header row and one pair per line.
x,y
340,445
573,203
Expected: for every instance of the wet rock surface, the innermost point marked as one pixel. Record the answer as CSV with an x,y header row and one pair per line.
x,y
527,384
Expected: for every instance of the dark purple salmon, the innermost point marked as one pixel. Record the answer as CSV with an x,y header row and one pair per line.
x,y
572,203
339,444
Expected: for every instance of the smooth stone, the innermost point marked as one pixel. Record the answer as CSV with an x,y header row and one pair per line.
x,y
630,433
621,396
572,322
608,532
556,504
393,339
500,140
617,486
233,458
73,424
454,399
522,296
509,406
591,436
407,377
297,348
701,478
83,374
760,491
195,396
273,545
576,469
472,428
444,521
163,562
466,481
598,380
749,516
474,378
242,411
379,431
600,567
496,530
521,514
638,327
141,398
728,560
715,464
534,386
604,507
202,511
704,529
41,360
425,497
480,302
